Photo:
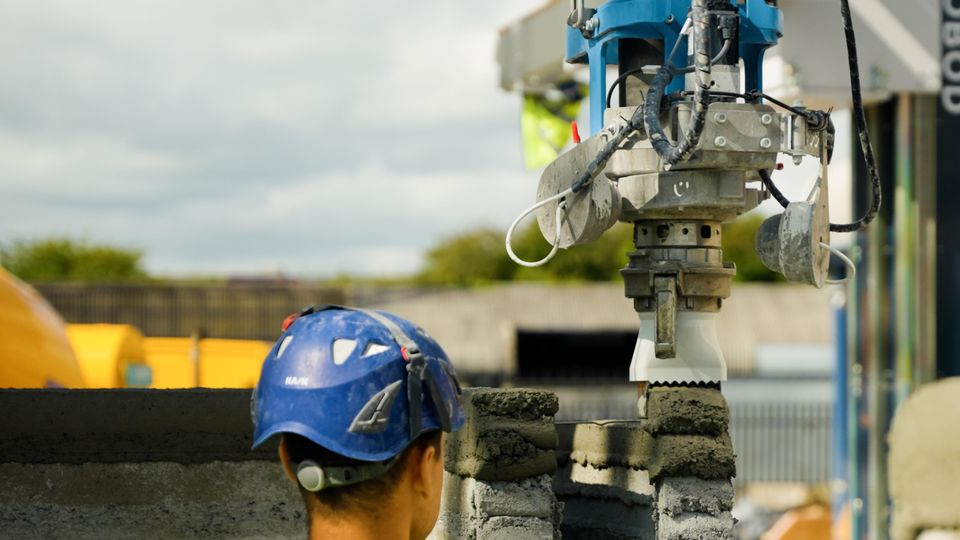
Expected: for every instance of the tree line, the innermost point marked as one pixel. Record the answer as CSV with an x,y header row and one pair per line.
x,y
471,258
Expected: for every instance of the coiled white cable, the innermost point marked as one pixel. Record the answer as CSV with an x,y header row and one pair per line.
x,y
851,268
556,242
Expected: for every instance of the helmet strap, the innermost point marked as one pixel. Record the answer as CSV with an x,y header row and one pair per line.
x,y
314,477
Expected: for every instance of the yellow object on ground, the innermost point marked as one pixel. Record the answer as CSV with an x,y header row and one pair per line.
x,y
110,355
34,350
810,523
171,361
223,363
231,363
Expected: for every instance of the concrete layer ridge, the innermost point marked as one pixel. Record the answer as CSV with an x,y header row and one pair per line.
x,y
687,411
509,435
130,425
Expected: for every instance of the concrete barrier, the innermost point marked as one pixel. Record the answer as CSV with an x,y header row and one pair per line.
x,y
148,464
139,464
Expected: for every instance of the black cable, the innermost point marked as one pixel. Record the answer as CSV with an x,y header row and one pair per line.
x,y
860,118
772,188
723,52
756,95
600,161
623,77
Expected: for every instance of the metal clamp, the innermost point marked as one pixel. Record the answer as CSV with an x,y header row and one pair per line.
x,y
665,288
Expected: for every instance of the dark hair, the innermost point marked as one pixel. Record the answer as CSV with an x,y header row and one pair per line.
x,y
364,496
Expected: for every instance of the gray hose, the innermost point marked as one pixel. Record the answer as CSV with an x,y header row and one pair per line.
x,y
672,154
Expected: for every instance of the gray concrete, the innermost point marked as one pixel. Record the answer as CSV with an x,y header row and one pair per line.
x,y
144,464
665,477
610,502
696,411
129,425
516,528
693,508
629,444
478,327
923,466
148,501
498,482
695,527
694,495
509,435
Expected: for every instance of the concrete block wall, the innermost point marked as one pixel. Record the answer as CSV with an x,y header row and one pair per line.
x,y
139,464
177,464
666,477
499,468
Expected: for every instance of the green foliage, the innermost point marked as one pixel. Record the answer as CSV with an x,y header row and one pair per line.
x,y
61,259
478,257
470,258
738,246
600,260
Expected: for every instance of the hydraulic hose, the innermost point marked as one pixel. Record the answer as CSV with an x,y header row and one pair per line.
x,y
672,154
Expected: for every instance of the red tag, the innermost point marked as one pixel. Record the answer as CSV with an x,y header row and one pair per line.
x,y
288,321
575,131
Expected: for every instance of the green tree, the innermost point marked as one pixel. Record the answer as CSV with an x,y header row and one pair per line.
x,y
479,257
600,260
739,247
62,259
470,258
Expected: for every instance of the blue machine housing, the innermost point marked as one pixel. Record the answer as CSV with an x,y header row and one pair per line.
x,y
761,26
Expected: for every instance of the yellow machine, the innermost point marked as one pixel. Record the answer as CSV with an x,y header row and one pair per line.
x,y
110,355
34,350
210,363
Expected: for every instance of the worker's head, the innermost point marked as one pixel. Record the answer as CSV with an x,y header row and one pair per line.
x,y
361,399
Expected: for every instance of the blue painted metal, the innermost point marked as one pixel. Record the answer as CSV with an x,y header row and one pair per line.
x,y
841,382
761,25
304,390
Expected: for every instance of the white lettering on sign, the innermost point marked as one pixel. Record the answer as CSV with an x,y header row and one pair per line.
x,y
950,9
296,381
951,66
951,99
951,34
950,58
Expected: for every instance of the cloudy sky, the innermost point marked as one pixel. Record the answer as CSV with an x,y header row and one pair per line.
x,y
242,137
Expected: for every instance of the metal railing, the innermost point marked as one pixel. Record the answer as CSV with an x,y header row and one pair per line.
x,y
242,311
782,441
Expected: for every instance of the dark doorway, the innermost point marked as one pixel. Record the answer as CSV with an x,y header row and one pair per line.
x,y
574,356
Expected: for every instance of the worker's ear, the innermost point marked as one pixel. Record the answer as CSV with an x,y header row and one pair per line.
x,y
285,460
428,470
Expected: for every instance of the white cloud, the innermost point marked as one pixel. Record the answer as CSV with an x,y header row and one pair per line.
x,y
241,137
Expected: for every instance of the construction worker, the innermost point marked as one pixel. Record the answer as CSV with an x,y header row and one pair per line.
x,y
360,399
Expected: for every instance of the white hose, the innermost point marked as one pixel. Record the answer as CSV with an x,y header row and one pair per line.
x,y
851,268
561,206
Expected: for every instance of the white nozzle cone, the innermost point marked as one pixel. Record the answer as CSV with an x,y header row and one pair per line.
x,y
699,358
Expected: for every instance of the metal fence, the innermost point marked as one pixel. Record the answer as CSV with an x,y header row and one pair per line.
x,y
243,311
782,441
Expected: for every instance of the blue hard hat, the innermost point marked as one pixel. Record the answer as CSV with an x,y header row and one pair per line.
x,y
363,384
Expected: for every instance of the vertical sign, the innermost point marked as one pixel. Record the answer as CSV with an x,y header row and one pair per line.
x,y
948,194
